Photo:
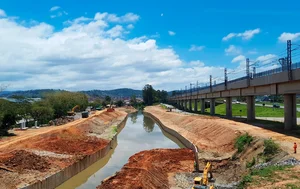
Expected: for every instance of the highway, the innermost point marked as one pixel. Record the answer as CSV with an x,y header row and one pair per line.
x,y
267,105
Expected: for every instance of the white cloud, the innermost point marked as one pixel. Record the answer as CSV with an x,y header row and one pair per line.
x,y
240,58
2,13
89,53
129,17
130,26
197,63
196,48
266,59
233,50
54,8
58,14
246,35
289,36
171,33
116,31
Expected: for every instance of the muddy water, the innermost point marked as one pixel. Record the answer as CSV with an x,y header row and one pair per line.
x,y
140,133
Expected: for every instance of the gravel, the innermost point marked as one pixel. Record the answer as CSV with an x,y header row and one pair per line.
x,y
185,180
290,161
50,154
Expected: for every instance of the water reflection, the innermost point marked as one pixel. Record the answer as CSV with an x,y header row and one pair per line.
x,y
148,124
133,117
140,133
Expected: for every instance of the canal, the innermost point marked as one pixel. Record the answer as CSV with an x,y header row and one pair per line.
x,y
140,133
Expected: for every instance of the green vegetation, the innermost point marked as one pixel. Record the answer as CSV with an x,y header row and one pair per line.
x,y
114,129
259,111
251,163
243,141
151,96
292,186
266,174
163,106
271,149
54,105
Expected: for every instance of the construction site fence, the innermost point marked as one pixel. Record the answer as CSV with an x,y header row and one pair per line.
x,y
60,177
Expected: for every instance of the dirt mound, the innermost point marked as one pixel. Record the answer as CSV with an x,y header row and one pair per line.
x,y
150,169
21,159
71,144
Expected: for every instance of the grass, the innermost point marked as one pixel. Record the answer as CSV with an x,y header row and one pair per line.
x,y
241,110
271,103
163,106
243,141
266,173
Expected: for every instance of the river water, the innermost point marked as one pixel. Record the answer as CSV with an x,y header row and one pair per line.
x,y
140,133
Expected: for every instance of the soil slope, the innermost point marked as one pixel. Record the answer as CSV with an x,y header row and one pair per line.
x,y
150,169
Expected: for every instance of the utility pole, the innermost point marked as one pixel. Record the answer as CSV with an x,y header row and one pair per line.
x,y
210,83
225,78
248,71
289,59
254,71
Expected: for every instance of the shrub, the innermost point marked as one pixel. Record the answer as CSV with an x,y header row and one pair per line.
x,y
251,163
242,141
271,148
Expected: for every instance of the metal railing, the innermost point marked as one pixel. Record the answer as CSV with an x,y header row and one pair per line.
x,y
257,75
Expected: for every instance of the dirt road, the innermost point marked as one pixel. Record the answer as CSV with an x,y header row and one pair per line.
x,y
22,135
37,153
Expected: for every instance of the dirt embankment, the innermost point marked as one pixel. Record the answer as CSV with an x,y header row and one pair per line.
x,y
151,169
32,156
213,136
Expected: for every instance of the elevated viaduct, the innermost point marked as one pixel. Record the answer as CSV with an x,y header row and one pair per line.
x,y
279,81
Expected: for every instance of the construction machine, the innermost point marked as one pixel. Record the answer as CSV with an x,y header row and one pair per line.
x,y
203,182
72,112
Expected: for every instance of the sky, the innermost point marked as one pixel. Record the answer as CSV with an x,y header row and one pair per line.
x,y
93,44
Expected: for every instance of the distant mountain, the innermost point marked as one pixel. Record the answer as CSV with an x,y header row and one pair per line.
x,y
116,93
28,94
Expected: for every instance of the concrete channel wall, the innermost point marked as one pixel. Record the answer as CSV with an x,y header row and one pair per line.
x,y
184,141
60,177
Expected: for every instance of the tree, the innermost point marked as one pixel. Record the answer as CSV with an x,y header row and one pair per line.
x,y
8,116
108,99
133,100
62,102
43,114
120,103
148,94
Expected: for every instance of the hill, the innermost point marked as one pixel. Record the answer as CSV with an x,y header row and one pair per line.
x,y
116,93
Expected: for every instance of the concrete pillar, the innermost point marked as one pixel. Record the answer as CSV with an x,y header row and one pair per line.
x,y
250,108
185,105
195,105
212,106
190,104
202,105
290,111
229,107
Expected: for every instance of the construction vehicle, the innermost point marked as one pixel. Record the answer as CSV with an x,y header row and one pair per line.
x,y
110,108
72,112
203,182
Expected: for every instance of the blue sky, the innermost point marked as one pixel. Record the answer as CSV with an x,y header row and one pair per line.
x,y
171,43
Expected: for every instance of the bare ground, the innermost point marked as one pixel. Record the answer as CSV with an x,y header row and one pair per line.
x,y
34,154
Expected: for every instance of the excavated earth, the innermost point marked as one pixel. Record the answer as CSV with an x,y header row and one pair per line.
x,y
33,155
214,137
151,169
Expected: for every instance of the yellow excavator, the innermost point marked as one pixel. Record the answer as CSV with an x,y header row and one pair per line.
x,y
203,182
72,112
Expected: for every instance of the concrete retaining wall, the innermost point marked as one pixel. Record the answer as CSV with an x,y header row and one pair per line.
x,y
172,132
60,177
